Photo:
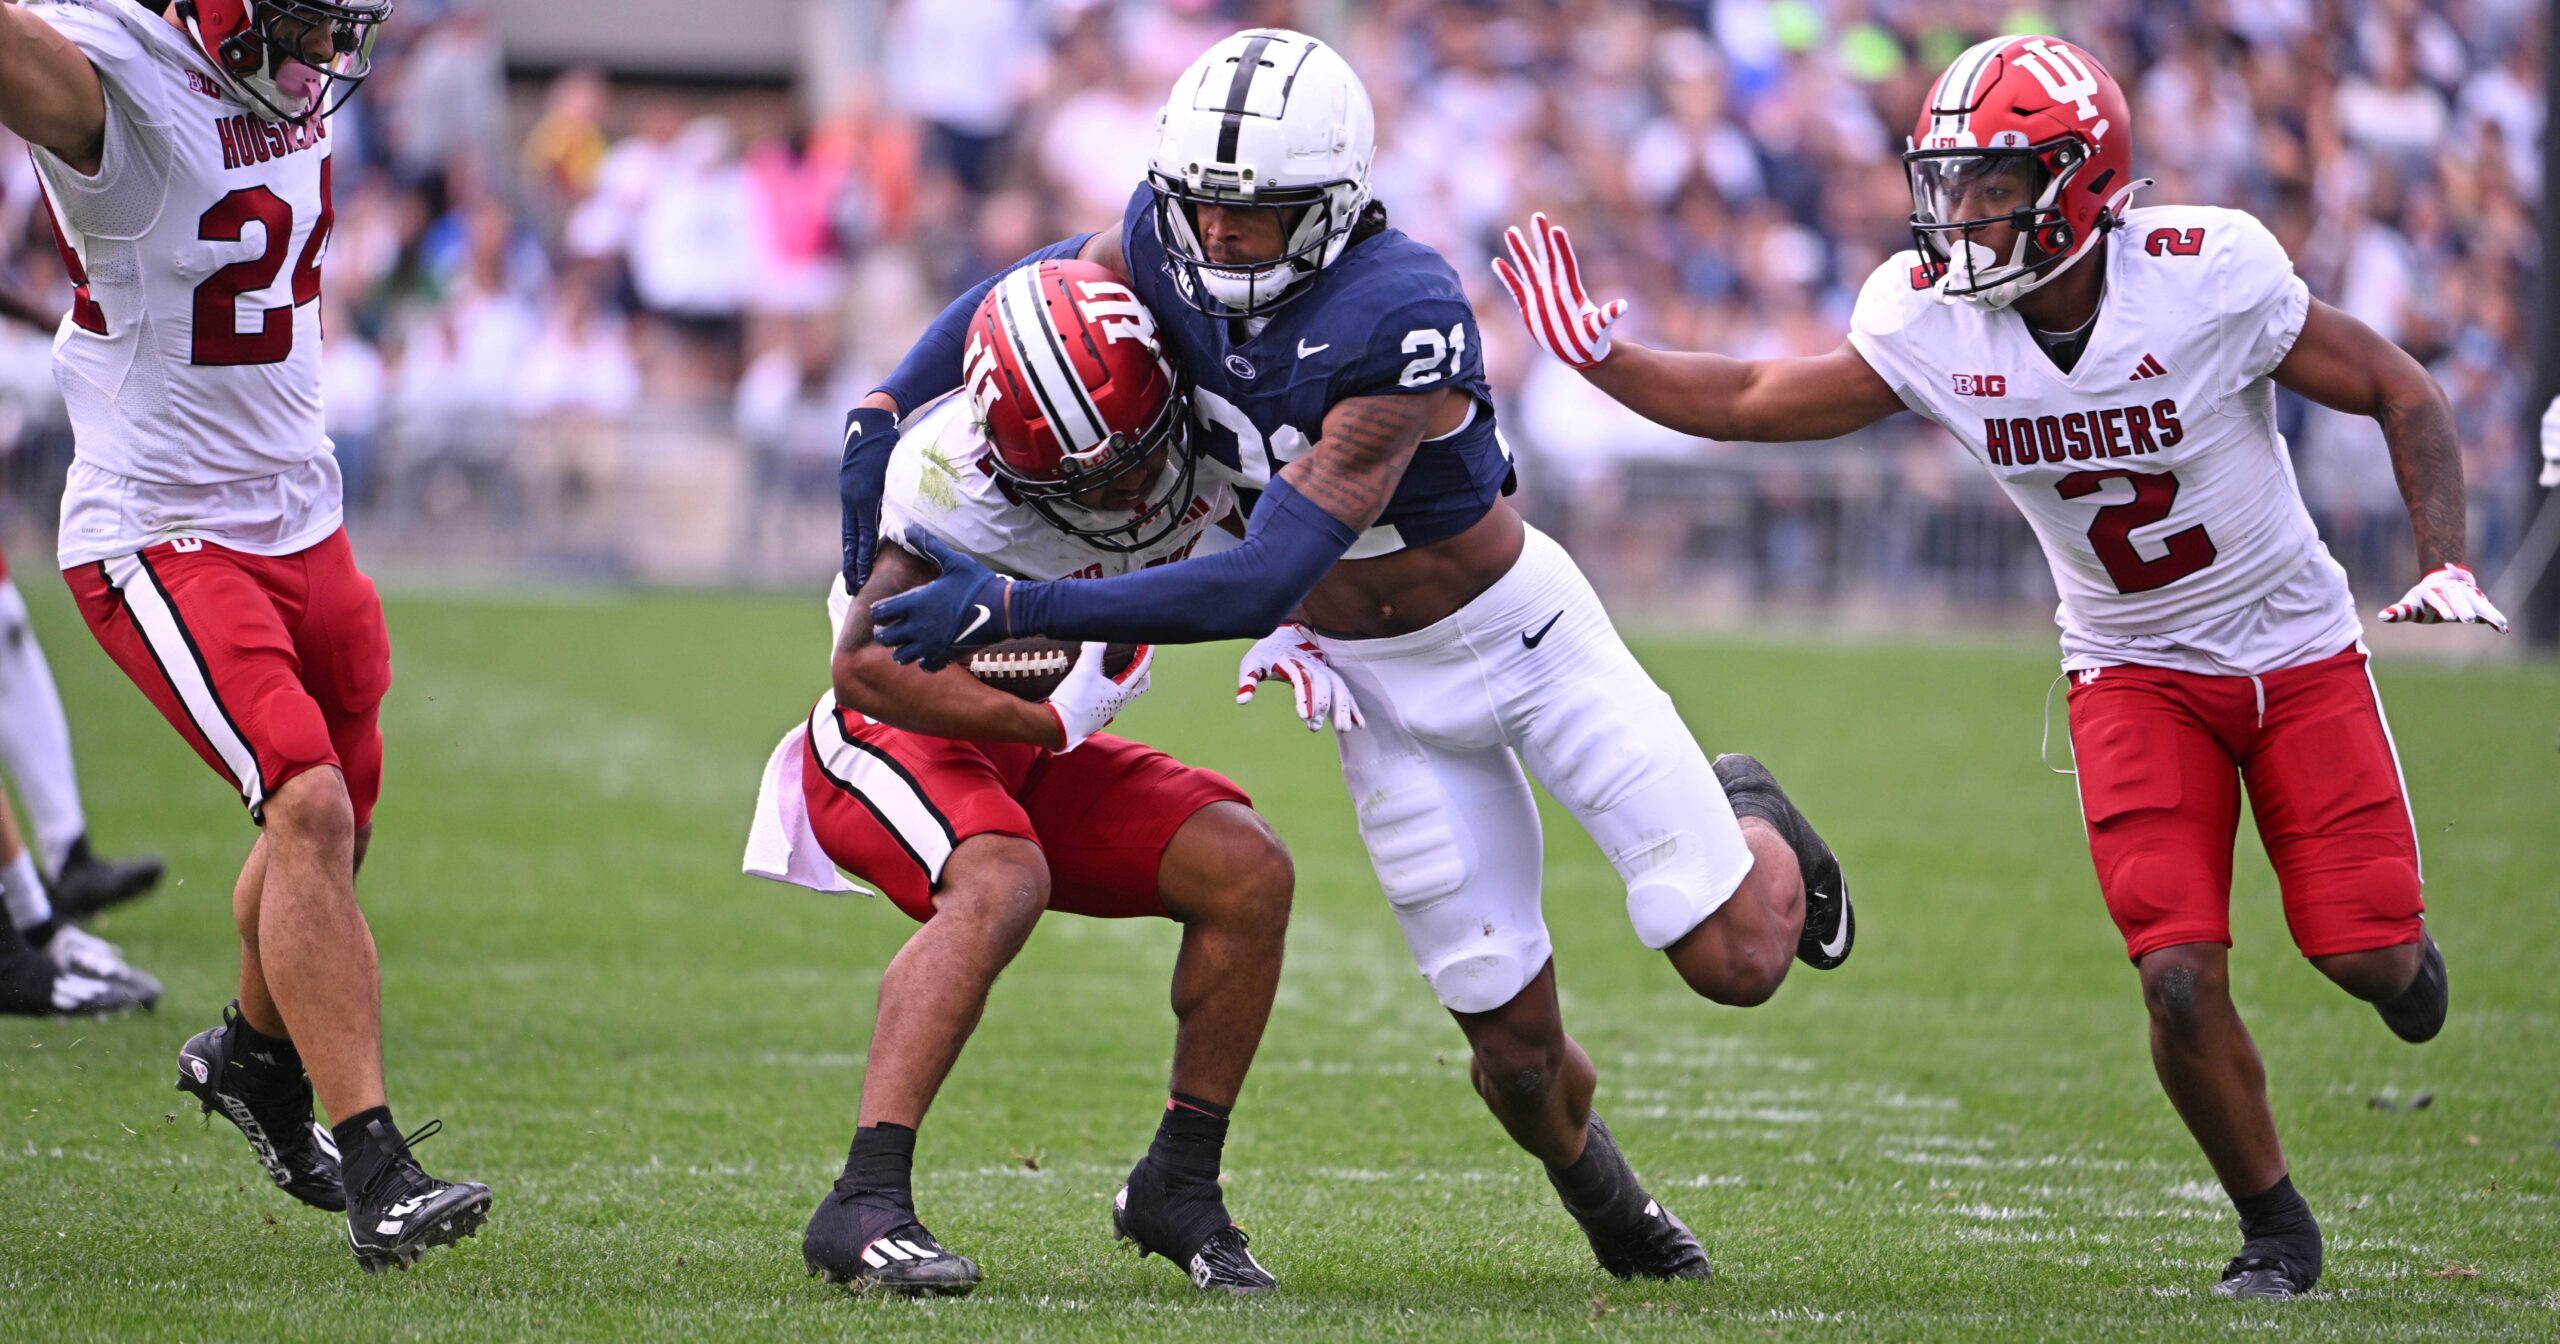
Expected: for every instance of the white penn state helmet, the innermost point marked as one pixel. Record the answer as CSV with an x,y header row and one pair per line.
x,y
1267,117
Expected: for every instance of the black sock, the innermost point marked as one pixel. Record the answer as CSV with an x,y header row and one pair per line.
x,y
1191,1140
265,1058
2279,1211
1600,1180
2279,1218
350,1132
883,1161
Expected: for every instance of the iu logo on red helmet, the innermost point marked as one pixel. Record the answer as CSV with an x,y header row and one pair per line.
x,y
289,60
1067,380
2022,160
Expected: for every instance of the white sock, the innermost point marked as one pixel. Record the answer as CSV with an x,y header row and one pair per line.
x,y
35,741
25,895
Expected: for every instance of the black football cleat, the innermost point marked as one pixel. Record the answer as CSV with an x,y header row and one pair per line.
x,y
869,1241
399,1212
80,952
2264,1278
87,884
1830,926
2417,1013
33,985
1163,1218
275,1116
1631,1234
1659,1246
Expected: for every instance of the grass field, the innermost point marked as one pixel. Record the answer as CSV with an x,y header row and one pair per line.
x,y
654,1060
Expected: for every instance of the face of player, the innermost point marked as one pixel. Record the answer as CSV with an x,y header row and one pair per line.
x,y
1988,188
1234,235
311,43
1128,492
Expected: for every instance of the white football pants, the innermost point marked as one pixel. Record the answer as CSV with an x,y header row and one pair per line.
x,y
1530,672
35,742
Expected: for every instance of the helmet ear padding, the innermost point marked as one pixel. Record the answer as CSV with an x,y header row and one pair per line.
x,y
240,54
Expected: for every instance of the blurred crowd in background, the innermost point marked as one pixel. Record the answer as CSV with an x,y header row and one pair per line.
x,y
585,326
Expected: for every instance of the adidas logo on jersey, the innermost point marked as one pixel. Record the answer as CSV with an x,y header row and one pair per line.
x,y
2151,367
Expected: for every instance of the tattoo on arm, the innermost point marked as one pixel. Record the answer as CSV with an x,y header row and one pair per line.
x,y
2345,365
2426,458
1367,443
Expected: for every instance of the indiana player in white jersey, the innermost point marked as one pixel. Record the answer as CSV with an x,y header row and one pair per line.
x,y
2115,370
184,151
974,811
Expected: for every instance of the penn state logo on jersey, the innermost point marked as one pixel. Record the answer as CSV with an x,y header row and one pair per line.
x,y
1388,317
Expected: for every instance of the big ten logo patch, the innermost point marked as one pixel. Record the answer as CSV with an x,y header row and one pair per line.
x,y
1981,384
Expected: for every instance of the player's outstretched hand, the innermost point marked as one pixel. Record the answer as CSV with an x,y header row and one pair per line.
x,y
1290,653
2448,594
1089,699
1546,282
962,609
2551,444
870,435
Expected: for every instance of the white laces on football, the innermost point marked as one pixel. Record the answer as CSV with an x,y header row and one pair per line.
x,y
1089,699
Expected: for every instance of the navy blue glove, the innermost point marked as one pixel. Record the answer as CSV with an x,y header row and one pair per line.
x,y
870,435
962,610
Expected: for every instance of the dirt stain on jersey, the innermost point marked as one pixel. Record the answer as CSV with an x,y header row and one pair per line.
x,y
938,483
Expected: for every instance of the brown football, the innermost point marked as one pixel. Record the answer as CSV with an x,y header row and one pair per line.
x,y
1029,669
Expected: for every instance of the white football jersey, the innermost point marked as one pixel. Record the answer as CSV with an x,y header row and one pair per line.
x,y
2152,473
190,360
941,481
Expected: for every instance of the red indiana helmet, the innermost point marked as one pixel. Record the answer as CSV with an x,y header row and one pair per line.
x,y
1069,384
2026,131
257,44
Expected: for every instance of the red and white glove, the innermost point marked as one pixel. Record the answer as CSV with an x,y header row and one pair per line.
x,y
1547,284
1088,700
1290,653
2448,594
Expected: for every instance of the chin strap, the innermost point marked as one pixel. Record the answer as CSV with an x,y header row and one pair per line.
x,y
2002,295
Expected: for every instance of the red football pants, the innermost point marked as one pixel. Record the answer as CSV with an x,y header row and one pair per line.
x,y
2163,756
890,806
268,666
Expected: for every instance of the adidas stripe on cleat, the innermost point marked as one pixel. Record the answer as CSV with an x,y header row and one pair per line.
x,y
31,985
399,1212
869,1242
274,1116
80,952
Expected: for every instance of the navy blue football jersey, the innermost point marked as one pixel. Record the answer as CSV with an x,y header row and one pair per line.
x,y
1387,317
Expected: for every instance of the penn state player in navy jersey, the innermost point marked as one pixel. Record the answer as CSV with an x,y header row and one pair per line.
x,y
1387,318
1336,370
